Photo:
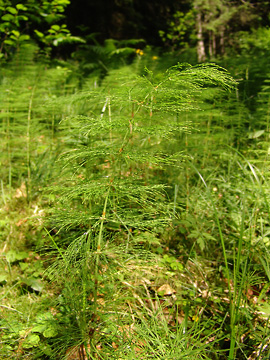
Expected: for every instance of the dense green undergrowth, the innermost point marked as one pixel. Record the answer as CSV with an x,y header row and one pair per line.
x,y
134,214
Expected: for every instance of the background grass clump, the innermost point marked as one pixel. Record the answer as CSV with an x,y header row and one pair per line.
x,y
134,212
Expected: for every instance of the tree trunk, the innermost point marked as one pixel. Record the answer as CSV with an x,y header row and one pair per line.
x,y
210,45
214,45
222,41
200,42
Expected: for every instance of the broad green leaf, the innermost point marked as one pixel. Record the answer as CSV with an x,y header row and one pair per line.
x,y
24,265
30,341
12,10
39,328
13,255
50,332
9,42
7,17
21,7
24,37
55,27
22,17
256,134
58,40
266,240
16,33
63,2
34,283
3,278
44,317
39,34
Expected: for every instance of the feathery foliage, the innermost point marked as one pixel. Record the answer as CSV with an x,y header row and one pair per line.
x,y
109,193
26,124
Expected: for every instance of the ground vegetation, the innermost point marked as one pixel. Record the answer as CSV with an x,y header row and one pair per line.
x,y
134,208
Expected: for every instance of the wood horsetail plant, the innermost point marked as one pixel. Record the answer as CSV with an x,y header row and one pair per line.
x,y
111,206
28,143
